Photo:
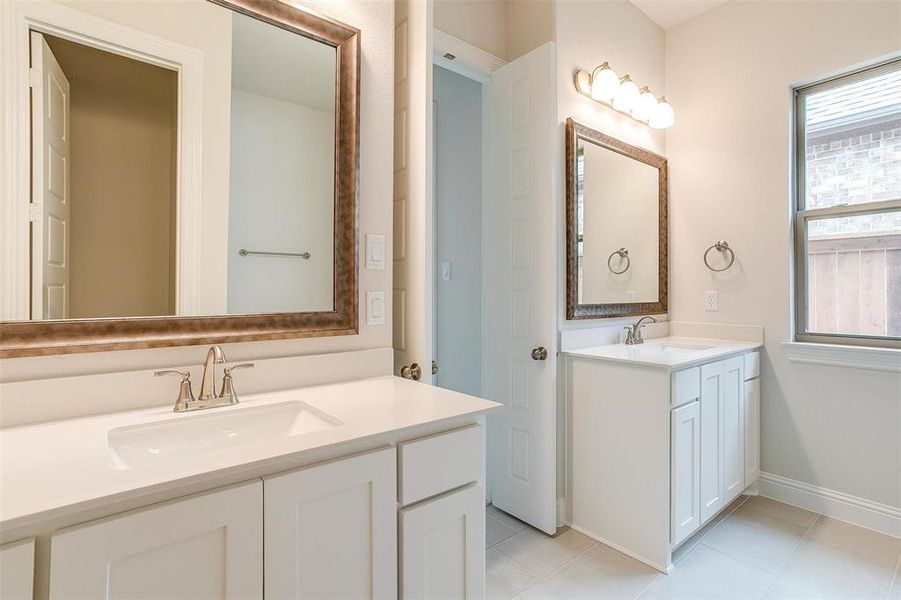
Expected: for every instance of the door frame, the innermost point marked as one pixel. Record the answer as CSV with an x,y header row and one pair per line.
x,y
17,19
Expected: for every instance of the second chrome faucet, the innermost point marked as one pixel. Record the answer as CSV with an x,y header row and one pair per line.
x,y
633,332
208,396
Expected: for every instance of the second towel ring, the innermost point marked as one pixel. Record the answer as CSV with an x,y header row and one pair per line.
x,y
722,246
623,253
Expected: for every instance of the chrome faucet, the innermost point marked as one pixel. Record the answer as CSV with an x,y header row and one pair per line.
x,y
633,332
208,396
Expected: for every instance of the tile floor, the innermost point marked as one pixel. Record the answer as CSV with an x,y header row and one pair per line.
x,y
756,548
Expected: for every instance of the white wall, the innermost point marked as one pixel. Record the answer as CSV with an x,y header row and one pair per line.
x,y
458,224
729,74
281,199
376,21
589,33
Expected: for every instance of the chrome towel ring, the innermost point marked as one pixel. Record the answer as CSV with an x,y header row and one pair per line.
x,y
622,253
722,246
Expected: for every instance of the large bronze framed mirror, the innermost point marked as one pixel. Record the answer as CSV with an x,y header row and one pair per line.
x,y
616,242
181,172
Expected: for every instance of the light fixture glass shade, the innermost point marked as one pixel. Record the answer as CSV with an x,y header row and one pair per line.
x,y
645,105
583,82
604,83
663,115
627,94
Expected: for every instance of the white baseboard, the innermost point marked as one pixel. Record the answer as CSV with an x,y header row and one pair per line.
x,y
858,511
618,548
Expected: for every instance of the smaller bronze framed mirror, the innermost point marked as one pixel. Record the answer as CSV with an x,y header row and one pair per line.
x,y
616,239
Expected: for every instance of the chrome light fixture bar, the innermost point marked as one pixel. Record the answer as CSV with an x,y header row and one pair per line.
x,y
625,96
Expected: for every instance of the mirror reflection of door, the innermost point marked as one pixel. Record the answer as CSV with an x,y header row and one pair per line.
x,y
104,146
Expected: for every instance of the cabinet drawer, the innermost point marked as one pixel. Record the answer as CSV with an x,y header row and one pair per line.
x,y
438,463
686,386
752,365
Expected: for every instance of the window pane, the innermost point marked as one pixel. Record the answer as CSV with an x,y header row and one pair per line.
x,y
852,137
854,275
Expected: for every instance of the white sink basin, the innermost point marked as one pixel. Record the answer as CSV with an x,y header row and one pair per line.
x,y
677,347
190,435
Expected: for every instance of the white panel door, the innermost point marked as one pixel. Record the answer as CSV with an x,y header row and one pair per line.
x,y
685,456
17,570
711,439
331,530
733,428
521,275
752,431
50,240
413,286
203,547
443,546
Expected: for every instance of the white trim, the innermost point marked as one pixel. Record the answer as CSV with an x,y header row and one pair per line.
x,y
843,355
470,61
865,513
16,19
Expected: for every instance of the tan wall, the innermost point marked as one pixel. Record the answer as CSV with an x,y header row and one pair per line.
x,y
481,23
123,129
530,23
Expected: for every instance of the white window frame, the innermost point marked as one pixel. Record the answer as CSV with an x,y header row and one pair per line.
x,y
801,215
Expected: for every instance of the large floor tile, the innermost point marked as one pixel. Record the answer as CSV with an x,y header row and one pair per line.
x,y
543,554
496,532
838,560
508,520
757,538
687,546
599,573
504,578
709,573
758,505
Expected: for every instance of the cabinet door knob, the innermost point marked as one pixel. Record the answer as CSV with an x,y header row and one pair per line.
x,y
539,353
413,371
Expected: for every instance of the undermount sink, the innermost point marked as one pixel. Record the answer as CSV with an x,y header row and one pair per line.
x,y
677,348
188,436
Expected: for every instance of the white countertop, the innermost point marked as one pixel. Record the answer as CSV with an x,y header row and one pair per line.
x,y
50,469
684,352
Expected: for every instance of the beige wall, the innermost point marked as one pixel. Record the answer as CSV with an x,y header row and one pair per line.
x,y
729,73
530,23
481,23
123,134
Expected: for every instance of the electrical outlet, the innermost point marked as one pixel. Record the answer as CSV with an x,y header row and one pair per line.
x,y
711,301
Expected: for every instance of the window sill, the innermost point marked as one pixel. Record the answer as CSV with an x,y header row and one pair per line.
x,y
838,355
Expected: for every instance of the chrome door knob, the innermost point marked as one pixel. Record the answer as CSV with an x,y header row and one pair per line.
x,y
413,371
539,353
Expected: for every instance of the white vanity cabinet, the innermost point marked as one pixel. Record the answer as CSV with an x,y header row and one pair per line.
x,y
17,570
205,546
331,529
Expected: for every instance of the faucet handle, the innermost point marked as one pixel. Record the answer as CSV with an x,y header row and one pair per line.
x,y
185,393
228,387
630,335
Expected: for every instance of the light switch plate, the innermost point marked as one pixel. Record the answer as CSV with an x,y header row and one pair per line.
x,y
375,251
711,301
375,308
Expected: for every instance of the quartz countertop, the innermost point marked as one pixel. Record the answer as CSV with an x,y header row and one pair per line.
x,y
57,468
667,352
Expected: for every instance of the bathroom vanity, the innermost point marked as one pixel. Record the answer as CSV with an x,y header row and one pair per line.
x,y
370,488
664,435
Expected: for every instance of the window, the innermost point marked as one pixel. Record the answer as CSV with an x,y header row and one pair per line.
x,y
848,208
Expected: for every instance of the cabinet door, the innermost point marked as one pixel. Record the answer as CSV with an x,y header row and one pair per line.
x,y
685,452
733,440
331,530
752,431
443,546
207,546
17,570
711,439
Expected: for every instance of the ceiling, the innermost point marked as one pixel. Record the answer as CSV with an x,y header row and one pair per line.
x,y
669,13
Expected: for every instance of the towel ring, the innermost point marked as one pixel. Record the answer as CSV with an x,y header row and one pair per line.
x,y
623,253
722,246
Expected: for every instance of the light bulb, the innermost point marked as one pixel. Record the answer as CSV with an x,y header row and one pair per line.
x,y
663,115
627,94
583,82
604,83
645,105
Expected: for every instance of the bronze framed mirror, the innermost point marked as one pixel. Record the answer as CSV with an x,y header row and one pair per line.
x,y
616,227
181,191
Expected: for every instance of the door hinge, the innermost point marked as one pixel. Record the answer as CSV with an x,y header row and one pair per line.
x,y
34,213
34,78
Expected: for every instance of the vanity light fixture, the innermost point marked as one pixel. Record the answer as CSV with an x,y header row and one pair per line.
x,y
625,96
